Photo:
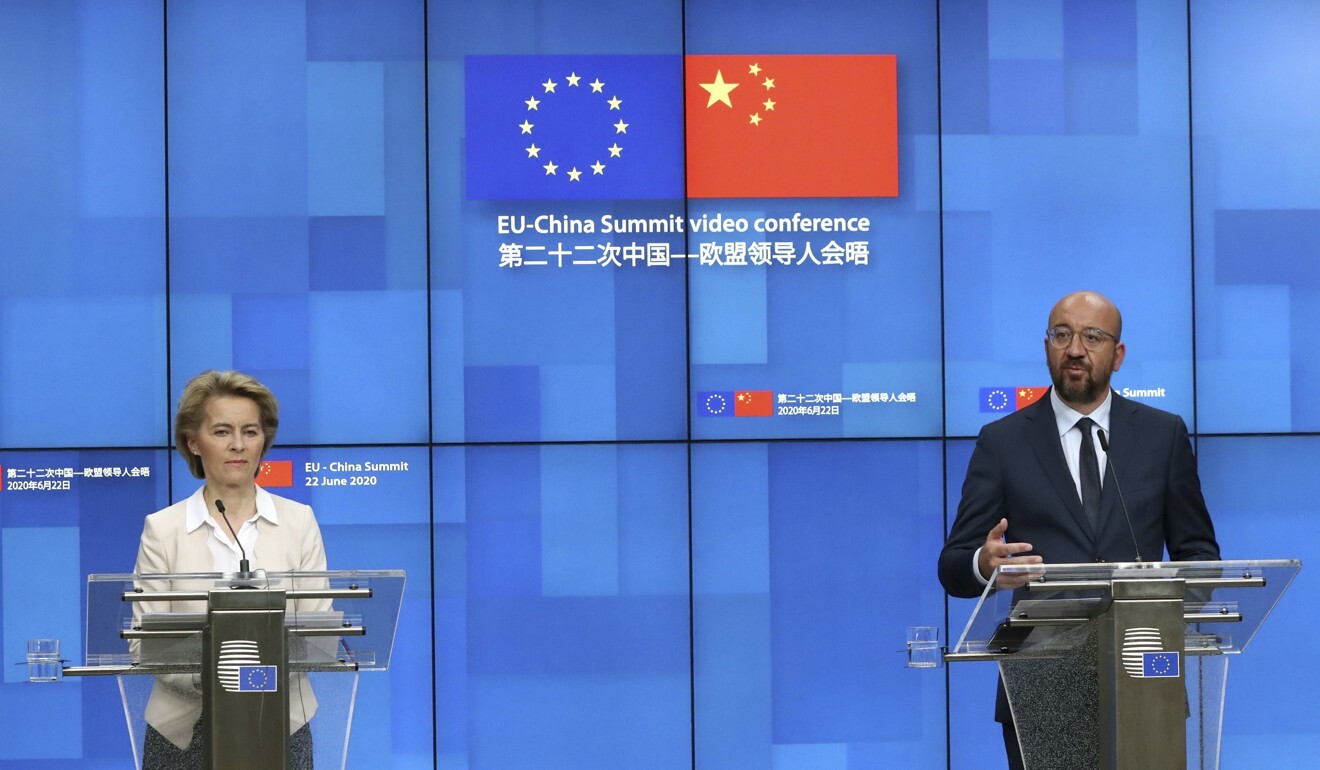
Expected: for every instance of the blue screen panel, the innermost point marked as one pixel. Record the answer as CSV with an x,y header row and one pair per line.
x,y
837,330
558,287
544,352
801,603
64,515
82,223
1065,168
1256,209
975,739
297,205
1261,492
562,607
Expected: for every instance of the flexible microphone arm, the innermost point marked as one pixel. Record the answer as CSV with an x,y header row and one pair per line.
x,y
243,562
1109,471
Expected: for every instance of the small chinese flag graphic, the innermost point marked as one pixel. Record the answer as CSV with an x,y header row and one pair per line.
x,y
276,473
753,403
1027,396
792,126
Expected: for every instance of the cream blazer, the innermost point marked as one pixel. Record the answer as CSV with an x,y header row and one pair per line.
x,y
294,544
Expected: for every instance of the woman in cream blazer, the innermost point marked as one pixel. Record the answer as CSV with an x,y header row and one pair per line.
x,y
225,424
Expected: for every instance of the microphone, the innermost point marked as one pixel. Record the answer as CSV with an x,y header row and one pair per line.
x,y
1109,468
243,562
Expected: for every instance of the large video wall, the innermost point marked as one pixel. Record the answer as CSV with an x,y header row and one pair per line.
x,y
649,337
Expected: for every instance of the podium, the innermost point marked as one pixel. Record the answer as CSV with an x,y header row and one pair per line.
x,y
246,659
1120,665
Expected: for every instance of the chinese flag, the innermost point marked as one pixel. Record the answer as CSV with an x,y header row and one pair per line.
x,y
276,473
753,403
1029,395
792,126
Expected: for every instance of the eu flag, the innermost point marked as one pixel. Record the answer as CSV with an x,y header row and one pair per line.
x,y
998,400
715,403
1159,664
258,678
574,127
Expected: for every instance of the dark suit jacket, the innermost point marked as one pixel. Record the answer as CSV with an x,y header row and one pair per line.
x,y
1018,472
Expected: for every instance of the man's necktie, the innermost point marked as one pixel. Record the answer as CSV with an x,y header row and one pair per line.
x,y
1089,470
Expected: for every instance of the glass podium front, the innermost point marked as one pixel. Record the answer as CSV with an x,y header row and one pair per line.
x,y
1108,665
152,633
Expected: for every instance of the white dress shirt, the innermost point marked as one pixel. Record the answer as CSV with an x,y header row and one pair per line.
x,y
1070,437
224,554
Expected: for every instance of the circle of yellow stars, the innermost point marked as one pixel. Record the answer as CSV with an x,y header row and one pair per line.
x,y
572,80
720,89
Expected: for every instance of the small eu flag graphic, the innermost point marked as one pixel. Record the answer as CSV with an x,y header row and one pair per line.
x,y
998,400
715,403
258,678
1159,664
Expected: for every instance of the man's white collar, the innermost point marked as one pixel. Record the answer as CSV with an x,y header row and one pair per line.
x,y
1065,417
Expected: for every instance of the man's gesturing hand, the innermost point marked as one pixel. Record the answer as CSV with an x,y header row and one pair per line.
x,y
995,553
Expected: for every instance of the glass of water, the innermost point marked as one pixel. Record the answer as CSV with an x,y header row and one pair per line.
x,y
923,647
43,660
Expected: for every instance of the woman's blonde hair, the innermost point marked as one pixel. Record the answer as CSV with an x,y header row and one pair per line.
x,y
214,384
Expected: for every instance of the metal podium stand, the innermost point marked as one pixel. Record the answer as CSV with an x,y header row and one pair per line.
x,y
254,658
1120,666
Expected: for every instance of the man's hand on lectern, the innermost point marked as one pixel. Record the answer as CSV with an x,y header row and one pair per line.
x,y
995,552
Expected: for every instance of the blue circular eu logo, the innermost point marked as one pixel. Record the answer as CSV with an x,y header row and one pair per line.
x,y
257,678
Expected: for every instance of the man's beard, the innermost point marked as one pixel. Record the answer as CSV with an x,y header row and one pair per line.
x,y
1083,392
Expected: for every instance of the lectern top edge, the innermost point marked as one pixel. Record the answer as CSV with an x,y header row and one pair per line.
x,y
1225,602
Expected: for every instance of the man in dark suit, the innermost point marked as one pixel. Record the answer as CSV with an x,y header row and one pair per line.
x,y
1035,490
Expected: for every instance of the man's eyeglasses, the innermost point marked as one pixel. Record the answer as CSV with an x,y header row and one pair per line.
x,y
1092,339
